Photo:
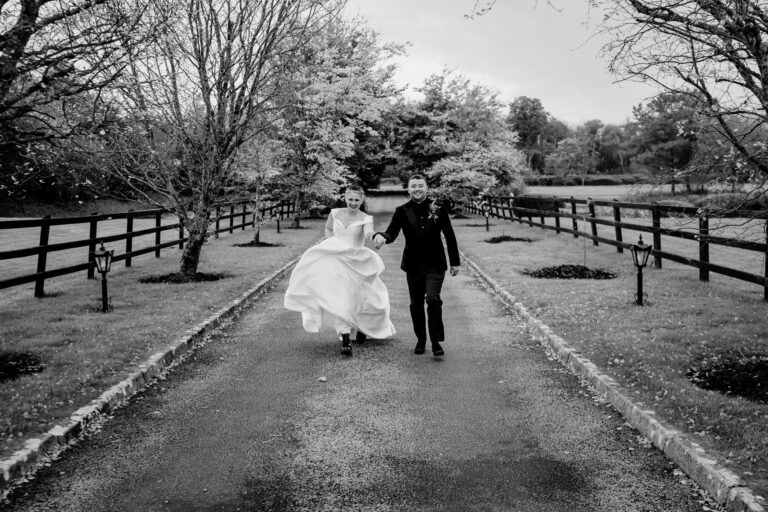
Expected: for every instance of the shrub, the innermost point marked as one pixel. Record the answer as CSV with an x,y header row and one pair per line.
x,y
675,203
547,204
633,179
725,203
602,180
571,181
539,181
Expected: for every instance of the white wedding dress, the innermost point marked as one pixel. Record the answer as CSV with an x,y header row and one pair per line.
x,y
337,282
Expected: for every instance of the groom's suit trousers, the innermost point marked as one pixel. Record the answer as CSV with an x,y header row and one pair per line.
x,y
426,286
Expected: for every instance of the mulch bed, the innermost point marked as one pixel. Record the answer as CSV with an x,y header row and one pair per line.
x,y
178,277
507,238
16,364
570,272
253,243
744,375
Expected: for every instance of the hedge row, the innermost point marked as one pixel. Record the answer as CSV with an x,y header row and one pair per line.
x,y
590,179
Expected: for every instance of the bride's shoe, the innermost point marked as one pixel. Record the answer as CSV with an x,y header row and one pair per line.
x,y
346,348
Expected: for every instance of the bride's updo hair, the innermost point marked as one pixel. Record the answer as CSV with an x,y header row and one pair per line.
x,y
356,188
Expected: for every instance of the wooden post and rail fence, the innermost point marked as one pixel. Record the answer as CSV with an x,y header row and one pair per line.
x,y
223,212
525,208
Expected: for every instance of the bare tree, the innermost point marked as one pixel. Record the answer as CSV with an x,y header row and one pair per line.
x,y
202,92
51,51
716,51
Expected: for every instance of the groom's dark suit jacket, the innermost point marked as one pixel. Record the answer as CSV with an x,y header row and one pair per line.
x,y
423,245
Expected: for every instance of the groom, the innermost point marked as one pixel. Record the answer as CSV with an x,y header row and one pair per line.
x,y
422,221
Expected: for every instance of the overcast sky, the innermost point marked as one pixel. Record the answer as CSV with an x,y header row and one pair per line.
x,y
520,48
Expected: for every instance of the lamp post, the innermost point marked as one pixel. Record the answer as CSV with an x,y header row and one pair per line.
x,y
640,253
103,260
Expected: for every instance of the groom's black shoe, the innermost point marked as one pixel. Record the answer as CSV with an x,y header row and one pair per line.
x,y
437,350
360,337
419,347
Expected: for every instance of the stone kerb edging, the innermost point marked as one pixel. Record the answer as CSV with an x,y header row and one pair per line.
x,y
38,451
724,486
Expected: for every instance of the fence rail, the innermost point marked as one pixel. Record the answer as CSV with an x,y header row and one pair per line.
x,y
525,208
225,213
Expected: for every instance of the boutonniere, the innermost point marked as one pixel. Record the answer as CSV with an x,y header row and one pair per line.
x,y
434,211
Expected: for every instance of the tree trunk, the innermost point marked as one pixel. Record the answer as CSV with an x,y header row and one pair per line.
x,y
197,234
257,220
296,210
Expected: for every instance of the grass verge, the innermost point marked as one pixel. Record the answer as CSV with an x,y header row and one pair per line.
x,y
84,351
648,350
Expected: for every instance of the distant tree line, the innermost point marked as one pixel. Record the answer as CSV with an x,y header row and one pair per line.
x,y
669,140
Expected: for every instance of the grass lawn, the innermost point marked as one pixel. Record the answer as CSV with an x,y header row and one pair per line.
x,y
651,351
84,351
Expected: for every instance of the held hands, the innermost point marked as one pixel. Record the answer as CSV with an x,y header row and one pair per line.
x,y
378,241
454,271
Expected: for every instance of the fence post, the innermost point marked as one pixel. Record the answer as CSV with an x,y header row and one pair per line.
x,y
42,257
231,216
573,219
557,214
129,238
703,243
591,205
218,219
617,219
181,235
245,214
656,220
92,246
158,224
541,216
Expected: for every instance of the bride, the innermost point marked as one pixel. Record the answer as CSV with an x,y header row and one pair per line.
x,y
337,283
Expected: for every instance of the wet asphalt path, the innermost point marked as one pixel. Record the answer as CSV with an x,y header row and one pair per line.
x,y
246,424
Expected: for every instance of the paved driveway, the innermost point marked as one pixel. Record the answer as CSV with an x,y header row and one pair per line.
x,y
246,424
